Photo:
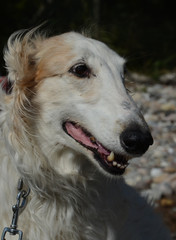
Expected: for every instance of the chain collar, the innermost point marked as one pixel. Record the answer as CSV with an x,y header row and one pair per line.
x,y
20,205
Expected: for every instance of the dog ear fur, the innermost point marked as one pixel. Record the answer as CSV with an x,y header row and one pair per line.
x,y
20,58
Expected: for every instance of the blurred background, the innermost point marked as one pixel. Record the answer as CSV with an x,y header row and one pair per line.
x,y
141,31
144,32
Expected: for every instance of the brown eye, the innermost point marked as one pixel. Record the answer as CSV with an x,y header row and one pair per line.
x,y
80,70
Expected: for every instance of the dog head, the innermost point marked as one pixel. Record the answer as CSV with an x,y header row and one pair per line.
x,y
69,93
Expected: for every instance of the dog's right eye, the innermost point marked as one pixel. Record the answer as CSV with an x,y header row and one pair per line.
x,y
80,70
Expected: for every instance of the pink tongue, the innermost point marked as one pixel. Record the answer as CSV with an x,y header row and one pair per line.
x,y
77,133
102,150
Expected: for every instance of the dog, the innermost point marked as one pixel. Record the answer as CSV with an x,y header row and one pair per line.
x,y
69,128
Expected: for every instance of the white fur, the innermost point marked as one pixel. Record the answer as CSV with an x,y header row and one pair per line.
x,y
72,197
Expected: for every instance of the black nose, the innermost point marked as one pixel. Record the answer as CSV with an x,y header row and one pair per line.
x,y
135,140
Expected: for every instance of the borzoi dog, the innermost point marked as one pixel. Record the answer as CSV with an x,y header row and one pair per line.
x,y
69,129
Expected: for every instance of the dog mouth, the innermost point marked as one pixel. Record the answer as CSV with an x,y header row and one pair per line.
x,y
113,163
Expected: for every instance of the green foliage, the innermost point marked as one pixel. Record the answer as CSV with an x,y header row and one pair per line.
x,y
141,31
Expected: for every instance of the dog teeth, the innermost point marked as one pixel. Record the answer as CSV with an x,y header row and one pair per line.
x,y
122,167
118,165
110,158
114,163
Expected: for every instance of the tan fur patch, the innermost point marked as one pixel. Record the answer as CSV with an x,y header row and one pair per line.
x,y
54,57
40,58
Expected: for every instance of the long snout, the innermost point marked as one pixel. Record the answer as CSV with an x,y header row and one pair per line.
x,y
136,140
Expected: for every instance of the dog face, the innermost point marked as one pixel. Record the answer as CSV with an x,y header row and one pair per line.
x,y
75,86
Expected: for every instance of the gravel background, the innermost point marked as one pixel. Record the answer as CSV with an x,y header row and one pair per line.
x,y
154,174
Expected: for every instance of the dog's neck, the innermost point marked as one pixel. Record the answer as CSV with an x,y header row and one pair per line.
x,y
69,180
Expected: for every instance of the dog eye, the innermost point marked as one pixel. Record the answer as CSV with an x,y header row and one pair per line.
x,y
80,70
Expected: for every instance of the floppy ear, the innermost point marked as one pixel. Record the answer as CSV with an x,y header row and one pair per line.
x,y
20,58
21,63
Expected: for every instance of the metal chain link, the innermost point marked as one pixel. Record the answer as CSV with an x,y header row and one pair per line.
x,y
20,203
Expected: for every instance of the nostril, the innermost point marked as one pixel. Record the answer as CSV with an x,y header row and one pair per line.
x,y
131,139
136,141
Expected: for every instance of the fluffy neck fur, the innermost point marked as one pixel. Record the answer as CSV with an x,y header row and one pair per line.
x,y
50,190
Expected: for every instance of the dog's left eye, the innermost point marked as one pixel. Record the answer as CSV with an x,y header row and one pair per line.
x,y
80,70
